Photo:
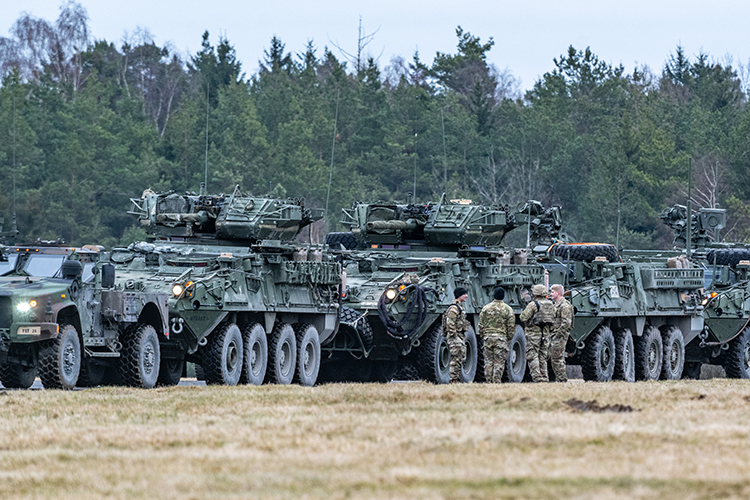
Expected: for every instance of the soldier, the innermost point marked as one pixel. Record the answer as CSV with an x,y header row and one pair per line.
x,y
455,326
497,324
537,317
560,331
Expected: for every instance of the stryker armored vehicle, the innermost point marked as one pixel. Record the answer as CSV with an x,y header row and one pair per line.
x,y
402,264
725,339
633,318
247,303
61,319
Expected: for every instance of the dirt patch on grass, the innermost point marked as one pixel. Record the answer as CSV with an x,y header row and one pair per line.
x,y
595,407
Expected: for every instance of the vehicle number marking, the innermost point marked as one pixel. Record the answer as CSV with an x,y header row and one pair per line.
x,y
29,330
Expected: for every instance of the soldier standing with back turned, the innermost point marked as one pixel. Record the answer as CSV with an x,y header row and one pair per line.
x,y
455,326
536,329
560,331
497,324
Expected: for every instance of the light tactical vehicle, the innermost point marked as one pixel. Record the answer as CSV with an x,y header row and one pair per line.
x,y
247,303
402,264
725,339
633,318
61,319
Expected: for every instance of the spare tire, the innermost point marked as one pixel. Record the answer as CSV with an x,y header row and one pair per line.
x,y
586,252
336,240
728,256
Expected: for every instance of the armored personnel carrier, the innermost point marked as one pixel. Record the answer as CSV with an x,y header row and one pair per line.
x,y
61,319
246,302
633,317
725,340
402,264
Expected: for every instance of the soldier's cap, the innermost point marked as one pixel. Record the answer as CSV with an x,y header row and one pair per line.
x,y
499,293
459,291
539,290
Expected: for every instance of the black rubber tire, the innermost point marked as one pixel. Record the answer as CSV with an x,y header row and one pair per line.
x,y
406,368
336,240
282,355
586,252
15,376
433,356
60,359
170,371
727,256
255,360
648,354
199,373
92,372
673,359
737,359
469,367
308,354
350,317
383,370
692,370
140,357
221,358
624,356
598,357
515,366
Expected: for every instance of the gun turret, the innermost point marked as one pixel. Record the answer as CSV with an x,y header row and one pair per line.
x,y
451,223
702,221
237,217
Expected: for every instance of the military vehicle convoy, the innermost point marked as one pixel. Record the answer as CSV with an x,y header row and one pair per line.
x,y
247,303
402,263
62,319
725,340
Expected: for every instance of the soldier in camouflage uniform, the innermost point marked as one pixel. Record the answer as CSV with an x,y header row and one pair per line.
x,y
456,325
560,331
497,324
537,336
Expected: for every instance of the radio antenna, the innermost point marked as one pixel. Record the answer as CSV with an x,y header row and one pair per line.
x,y
333,148
205,173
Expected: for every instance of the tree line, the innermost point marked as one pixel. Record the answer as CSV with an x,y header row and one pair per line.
x,y
87,124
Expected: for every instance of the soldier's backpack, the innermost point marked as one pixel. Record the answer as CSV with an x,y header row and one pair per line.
x,y
545,315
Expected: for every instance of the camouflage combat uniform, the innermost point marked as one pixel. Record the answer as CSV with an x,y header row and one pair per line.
x,y
497,324
537,340
456,326
559,338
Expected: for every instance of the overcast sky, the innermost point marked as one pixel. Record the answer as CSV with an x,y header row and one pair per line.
x,y
528,34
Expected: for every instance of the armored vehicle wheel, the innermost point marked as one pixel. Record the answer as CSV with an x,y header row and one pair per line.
x,y
469,368
727,256
170,371
383,370
15,376
222,356
282,355
692,370
648,354
199,373
434,356
92,372
140,356
586,252
347,240
255,361
406,368
673,359
515,367
737,360
60,359
624,356
598,359
308,354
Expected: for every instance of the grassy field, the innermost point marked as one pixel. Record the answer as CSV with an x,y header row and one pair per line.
x,y
682,440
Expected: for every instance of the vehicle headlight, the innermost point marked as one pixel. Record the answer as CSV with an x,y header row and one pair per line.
x,y
25,306
704,301
177,289
390,294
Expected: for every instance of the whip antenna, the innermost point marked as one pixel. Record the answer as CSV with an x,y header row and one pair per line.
x,y
333,148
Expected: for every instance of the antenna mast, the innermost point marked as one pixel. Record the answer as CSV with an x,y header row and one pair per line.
x,y
333,148
205,173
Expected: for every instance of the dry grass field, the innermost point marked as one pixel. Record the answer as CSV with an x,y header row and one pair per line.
x,y
683,440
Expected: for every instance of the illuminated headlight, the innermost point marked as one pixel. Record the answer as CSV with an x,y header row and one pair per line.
x,y
704,301
24,307
177,289
390,294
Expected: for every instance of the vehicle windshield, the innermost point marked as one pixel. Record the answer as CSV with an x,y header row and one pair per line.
x,y
44,265
9,265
